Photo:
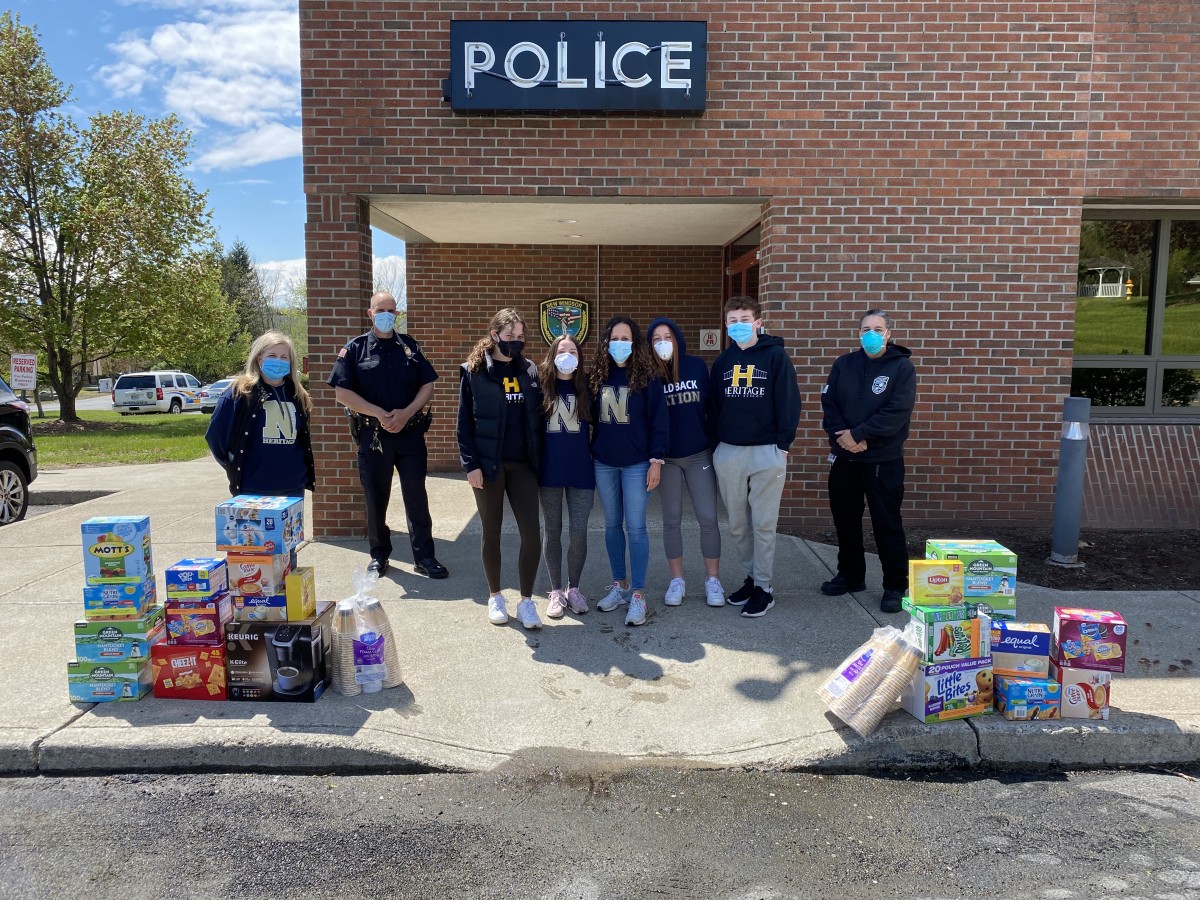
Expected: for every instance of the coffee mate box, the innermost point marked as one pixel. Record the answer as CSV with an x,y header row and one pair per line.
x,y
1025,699
104,682
259,574
118,640
950,690
188,673
198,577
989,572
1019,649
935,582
116,550
1089,639
250,523
947,633
1085,692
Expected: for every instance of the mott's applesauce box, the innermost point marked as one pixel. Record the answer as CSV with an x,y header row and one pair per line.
x,y
989,572
188,673
1085,692
103,682
1089,639
120,601
301,591
947,633
935,582
264,525
118,640
116,550
950,690
1020,649
201,577
1022,699
259,574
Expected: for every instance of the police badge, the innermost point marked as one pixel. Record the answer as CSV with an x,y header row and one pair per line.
x,y
879,385
564,315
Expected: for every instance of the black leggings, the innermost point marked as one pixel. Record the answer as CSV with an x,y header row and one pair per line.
x,y
519,481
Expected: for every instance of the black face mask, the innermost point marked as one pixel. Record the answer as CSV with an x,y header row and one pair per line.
x,y
512,349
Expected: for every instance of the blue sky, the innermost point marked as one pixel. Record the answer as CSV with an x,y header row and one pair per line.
x,y
229,69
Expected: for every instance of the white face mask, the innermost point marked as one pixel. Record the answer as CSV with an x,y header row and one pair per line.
x,y
566,363
664,349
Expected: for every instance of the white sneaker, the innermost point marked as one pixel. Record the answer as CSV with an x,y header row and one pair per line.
x,y
497,610
637,610
527,613
713,591
675,592
614,598
557,606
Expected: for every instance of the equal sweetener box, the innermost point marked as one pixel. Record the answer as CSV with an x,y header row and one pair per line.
x,y
199,577
989,572
118,640
1089,639
1020,649
102,682
950,690
1085,692
250,523
947,632
188,673
120,601
116,550
1025,699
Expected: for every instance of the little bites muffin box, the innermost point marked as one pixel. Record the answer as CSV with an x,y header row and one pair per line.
x,y
188,673
1089,639
950,690
116,550
989,572
1085,692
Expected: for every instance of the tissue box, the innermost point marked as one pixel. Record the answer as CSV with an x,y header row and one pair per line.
x,y
301,589
120,601
266,525
950,690
200,578
103,682
1020,649
1089,639
1085,692
281,661
1023,699
258,574
195,624
989,572
120,639
935,582
947,632
116,550
188,673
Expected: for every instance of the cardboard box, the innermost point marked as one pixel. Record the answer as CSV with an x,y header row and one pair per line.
x,y
188,673
281,661
258,574
199,577
935,582
260,608
989,572
1020,649
1086,693
120,601
195,624
1089,639
116,550
1022,699
121,639
950,690
300,586
103,682
254,524
947,633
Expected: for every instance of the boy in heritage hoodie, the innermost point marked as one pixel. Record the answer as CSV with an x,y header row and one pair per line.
x,y
756,408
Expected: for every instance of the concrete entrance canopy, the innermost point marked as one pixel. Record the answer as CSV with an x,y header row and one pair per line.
x,y
586,222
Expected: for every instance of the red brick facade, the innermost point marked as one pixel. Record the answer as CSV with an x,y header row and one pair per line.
x,y
929,158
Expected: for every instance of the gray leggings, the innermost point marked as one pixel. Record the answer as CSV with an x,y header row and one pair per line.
x,y
579,509
697,470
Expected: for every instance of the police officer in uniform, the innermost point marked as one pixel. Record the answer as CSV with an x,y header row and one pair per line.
x,y
383,378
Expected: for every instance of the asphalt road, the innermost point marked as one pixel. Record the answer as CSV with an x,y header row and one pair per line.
x,y
640,834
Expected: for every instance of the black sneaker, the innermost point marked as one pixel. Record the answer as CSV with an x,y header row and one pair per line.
x,y
758,604
892,601
838,585
742,594
378,566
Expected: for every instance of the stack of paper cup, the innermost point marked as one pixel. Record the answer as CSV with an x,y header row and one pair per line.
x,y
345,629
391,655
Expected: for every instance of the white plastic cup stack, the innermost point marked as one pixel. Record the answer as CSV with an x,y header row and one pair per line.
x,y
344,631
378,619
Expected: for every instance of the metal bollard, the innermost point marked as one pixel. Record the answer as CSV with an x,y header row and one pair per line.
x,y
1068,493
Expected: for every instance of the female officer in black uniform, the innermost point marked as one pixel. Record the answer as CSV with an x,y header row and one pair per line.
x,y
383,377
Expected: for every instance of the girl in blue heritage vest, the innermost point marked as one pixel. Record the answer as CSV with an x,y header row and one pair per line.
x,y
688,460
632,433
566,472
499,441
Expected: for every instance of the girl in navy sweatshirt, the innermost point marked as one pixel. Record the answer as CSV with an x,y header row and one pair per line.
x,y
632,433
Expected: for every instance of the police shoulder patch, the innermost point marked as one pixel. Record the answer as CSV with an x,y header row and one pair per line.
x,y
879,385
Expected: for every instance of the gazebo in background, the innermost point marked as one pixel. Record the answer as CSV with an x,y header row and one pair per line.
x,y
1094,277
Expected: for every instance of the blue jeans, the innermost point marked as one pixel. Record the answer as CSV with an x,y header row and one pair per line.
x,y
624,497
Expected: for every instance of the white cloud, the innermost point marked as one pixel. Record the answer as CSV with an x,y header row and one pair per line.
x,y
267,144
280,277
241,181
245,102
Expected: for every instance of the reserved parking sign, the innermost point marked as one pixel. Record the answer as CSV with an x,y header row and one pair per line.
x,y
23,372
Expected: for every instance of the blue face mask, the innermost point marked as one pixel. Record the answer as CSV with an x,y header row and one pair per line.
x,y
385,321
275,369
620,350
872,342
740,332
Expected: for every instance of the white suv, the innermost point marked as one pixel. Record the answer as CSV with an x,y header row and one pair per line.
x,y
147,392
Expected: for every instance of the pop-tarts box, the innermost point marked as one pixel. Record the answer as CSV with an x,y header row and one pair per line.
x,y
102,682
250,523
1026,699
116,550
989,572
120,601
119,640
1019,649
198,577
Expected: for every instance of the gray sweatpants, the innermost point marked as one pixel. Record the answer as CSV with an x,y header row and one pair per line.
x,y
697,471
751,481
579,509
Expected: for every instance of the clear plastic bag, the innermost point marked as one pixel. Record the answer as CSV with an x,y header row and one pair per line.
x,y
863,688
365,656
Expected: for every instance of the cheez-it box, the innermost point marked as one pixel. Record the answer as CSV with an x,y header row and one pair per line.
x,y
188,673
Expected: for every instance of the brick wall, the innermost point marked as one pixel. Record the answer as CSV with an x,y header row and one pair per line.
x,y
1138,477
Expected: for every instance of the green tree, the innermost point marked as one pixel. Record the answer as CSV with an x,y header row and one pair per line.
x,y
241,284
292,319
102,237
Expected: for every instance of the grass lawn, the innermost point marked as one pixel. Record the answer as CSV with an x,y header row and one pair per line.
x,y
106,438
1109,325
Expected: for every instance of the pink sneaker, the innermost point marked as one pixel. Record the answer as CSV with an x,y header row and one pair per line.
x,y
557,605
577,601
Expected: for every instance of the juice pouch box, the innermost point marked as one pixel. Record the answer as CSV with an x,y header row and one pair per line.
x,y
103,682
264,525
989,572
116,550
199,577
947,632
301,589
935,582
1089,639
197,624
188,673
120,601
258,574
1020,649
1024,699
1085,692
950,690
119,640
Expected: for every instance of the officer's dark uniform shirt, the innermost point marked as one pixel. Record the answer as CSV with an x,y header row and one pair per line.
x,y
385,371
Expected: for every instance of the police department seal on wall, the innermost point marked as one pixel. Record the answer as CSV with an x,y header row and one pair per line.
x,y
564,315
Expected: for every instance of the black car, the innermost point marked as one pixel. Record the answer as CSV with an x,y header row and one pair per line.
x,y
18,456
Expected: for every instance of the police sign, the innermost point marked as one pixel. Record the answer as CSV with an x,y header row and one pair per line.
x,y
577,65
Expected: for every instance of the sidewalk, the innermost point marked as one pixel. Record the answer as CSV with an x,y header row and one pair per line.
x,y
695,686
